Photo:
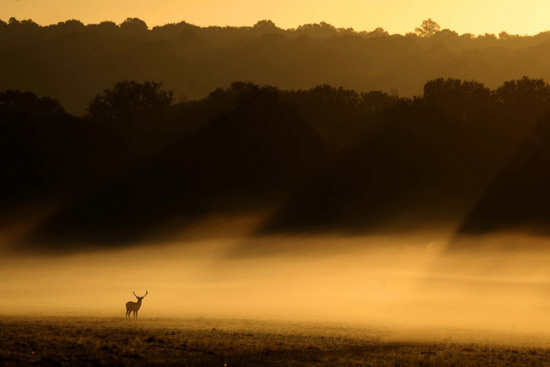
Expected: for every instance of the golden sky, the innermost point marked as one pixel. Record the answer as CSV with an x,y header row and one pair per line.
x,y
396,16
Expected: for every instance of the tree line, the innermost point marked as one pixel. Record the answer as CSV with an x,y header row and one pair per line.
x,y
73,62
321,159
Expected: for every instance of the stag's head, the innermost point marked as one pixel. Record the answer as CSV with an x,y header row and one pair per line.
x,y
140,297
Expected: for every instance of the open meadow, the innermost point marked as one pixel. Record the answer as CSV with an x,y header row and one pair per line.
x,y
107,341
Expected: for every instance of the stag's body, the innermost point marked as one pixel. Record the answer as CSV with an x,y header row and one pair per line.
x,y
134,306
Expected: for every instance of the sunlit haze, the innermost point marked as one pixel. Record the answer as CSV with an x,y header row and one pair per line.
x,y
275,182
396,16
405,281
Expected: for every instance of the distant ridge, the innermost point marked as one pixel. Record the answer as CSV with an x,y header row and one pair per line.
x,y
72,62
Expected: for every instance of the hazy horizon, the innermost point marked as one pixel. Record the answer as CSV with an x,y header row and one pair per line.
x,y
285,27
400,17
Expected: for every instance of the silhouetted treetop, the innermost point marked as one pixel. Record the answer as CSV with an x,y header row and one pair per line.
x,y
458,97
128,102
29,104
267,25
527,99
428,28
70,26
138,112
134,26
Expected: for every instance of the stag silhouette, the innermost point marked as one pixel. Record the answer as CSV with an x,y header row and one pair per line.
x,y
134,306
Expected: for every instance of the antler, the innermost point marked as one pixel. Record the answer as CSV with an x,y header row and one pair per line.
x,y
146,292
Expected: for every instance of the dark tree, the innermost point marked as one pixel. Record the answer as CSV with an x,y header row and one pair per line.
x,y
428,28
458,98
526,99
70,26
39,147
134,26
133,110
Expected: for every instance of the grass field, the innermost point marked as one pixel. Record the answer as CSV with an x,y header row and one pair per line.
x,y
79,341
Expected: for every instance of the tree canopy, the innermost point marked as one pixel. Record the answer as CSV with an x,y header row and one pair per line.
x,y
319,159
73,62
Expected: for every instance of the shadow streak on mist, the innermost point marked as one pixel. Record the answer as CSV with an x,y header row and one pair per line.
x,y
518,199
422,169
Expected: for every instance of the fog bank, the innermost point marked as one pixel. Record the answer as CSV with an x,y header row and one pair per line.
x,y
411,281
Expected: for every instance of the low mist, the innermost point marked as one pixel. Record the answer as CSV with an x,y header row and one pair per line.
x,y
402,281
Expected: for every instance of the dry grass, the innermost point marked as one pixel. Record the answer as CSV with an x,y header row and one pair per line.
x,y
58,341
